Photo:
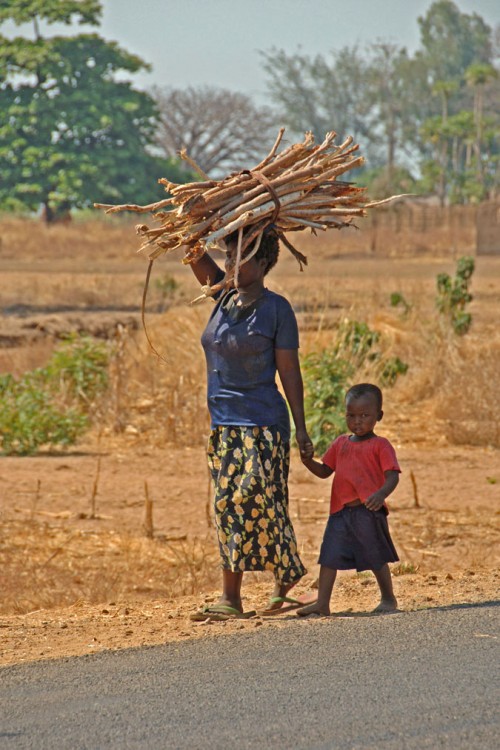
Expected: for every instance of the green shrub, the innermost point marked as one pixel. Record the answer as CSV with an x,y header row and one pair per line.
x,y
329,373
355,342
454,295
325,378
79,368
51,405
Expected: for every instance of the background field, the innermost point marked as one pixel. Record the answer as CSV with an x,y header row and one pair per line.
x,y
95,582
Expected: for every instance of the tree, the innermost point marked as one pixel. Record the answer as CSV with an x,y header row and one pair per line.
x,y
71,134
220,130
452,41
477,76
317,95
367,95
407,112
434,131
394,109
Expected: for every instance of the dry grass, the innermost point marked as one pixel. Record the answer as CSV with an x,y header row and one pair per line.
x,y
58,563
48,565
95,266
91,241
162,399
444,400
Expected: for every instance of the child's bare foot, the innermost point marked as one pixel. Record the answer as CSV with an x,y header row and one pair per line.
x,y
386,605
314,609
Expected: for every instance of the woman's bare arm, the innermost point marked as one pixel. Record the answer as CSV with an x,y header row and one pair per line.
x,y
206,270
287,364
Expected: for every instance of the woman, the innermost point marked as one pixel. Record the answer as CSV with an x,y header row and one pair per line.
x,y
251,334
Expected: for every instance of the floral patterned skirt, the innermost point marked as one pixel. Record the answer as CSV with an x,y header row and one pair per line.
x,y
249,467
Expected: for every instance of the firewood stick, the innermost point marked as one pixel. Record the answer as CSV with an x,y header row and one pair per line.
x,y
302,189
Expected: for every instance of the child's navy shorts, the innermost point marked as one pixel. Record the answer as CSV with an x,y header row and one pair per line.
x,y
359,538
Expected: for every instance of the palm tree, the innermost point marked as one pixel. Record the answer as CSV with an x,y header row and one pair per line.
x,y
443,89
477,76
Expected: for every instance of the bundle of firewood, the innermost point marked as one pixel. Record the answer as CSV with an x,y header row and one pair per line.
x,y
295,189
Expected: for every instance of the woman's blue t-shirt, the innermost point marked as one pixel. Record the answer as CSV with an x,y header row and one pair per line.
x,y
239,348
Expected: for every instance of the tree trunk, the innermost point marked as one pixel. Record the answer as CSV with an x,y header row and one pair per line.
x,y
47,214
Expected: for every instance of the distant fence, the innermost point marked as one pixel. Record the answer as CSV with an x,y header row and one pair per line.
x,y
411,229
488,229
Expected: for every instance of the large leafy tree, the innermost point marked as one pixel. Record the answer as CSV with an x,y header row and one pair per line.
x,y
70,132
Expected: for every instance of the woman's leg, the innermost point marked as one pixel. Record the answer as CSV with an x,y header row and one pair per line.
x,y
388,602
231,589
290,566
327,578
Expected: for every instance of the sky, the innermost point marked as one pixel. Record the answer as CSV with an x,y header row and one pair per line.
x,y
218,42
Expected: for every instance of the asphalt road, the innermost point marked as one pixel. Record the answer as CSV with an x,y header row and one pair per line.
x,y
417,680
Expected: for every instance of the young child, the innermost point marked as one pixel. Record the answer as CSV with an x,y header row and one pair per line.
x,y
366,472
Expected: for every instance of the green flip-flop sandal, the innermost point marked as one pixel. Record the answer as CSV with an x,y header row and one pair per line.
x,y
220,612
288,603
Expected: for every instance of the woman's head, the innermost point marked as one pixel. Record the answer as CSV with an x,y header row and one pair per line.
x,y
268,251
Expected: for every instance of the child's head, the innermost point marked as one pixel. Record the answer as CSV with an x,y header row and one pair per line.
x,y
363,407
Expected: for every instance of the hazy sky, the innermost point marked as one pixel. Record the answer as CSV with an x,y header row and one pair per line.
x,y
217,42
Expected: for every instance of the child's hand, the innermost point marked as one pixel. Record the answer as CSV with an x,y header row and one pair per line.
x,y
375,501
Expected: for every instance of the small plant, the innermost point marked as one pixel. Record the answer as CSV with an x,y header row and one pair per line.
x,y
51,405
397,300
355,342
167,287
404,569
392,367
454,295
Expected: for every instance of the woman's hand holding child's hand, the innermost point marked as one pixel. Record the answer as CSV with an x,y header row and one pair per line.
x,y
306,447
306,451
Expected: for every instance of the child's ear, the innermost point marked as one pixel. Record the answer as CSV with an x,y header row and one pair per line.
x,y
380,415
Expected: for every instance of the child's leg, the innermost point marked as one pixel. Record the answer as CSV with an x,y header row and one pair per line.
x,y
388,602
327,578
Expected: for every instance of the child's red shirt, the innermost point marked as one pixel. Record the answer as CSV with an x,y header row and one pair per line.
x,y
359,467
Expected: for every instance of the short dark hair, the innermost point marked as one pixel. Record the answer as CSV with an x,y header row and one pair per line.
x,y
269,248
365,389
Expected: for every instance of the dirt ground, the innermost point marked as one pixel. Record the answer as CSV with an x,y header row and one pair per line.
x,y
84,570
